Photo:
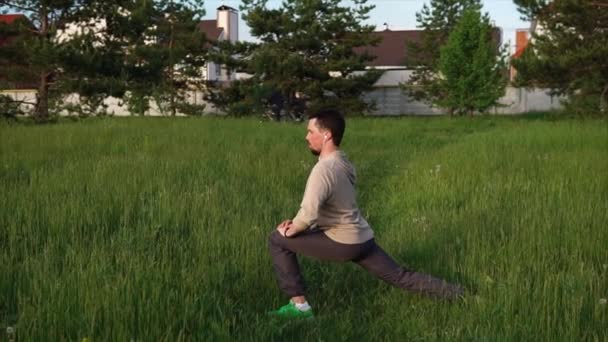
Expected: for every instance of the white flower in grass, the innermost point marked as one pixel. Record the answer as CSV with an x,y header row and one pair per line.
x,y
436,170
10,332
603,301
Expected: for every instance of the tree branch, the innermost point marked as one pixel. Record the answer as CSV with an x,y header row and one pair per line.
x,y
598,4
12,5
21,102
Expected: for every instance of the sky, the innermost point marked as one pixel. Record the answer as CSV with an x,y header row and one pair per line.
x,y
401,15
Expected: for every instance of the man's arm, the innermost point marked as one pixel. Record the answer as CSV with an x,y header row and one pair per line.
x,y
318,189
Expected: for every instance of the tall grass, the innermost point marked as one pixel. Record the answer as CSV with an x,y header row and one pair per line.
x,y
156,229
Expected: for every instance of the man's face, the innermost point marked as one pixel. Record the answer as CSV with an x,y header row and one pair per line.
x,y
314,137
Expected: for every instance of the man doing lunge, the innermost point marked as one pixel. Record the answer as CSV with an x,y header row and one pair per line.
x,y
329,226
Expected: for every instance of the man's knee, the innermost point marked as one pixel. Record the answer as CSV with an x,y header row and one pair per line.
x,y
275,238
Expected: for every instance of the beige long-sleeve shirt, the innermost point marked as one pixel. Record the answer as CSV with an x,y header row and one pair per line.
x,y
330,202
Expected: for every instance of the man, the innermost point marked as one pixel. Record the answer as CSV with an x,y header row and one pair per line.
x,y
329,226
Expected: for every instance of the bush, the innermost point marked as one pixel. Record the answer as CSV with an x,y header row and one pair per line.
x,y
584,105
10,108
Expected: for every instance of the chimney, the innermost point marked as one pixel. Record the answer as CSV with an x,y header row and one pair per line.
x,y
228,20
521,39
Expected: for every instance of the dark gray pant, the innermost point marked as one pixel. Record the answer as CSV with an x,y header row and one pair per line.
x,y
367,255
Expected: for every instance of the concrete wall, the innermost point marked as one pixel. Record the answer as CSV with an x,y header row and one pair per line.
x,y
521,100
393,101
388,101
115,105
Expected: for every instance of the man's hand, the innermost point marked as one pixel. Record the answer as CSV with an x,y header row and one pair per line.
x,y
284,227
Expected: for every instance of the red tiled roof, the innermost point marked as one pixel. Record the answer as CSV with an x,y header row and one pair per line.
x,y
392,50
10,18
210,29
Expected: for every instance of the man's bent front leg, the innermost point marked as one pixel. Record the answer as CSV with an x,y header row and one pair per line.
x,y
286,267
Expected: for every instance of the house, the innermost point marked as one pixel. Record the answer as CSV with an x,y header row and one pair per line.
x,y
530,99
28,81
522,37
9,19
393,56
223,28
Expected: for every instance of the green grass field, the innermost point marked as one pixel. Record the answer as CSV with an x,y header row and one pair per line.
x,y
156,229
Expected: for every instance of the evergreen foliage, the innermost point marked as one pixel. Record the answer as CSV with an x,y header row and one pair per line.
x,y
437,20
569,51
472,78
136,50
31,51
305,57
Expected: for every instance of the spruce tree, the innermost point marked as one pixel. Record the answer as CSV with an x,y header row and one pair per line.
x,y
150,51
472,78
569,53
305,49
437,20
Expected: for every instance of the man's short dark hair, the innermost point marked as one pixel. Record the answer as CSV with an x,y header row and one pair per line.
x,y
332,120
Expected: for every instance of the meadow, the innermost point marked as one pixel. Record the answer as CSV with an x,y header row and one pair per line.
x,y
155,229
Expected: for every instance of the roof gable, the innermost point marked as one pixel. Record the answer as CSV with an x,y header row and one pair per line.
x,y
10,18
210,29
392,49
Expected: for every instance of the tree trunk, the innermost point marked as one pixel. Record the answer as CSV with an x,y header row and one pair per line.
x,y
41,112
172,70
603,103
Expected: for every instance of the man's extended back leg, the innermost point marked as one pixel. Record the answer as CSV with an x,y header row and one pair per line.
x,y
384,267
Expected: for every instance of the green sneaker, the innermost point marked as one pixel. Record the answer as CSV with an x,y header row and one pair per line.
x,y
290,311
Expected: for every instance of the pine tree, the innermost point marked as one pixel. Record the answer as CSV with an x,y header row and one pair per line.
x,y
36,51
472,78
184,55
437,20
306,48
149,51
530,9
570,53
137,50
